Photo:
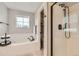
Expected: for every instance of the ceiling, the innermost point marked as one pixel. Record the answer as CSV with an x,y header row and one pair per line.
x,y
24,6
68,3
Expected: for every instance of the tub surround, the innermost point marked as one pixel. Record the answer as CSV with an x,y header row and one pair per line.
x,y
21,46
20,49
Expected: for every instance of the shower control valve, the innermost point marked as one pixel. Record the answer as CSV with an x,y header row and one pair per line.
x,y
60,27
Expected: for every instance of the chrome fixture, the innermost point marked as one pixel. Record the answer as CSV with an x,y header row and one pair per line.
x,y
67,24
5,42
31,38
4,23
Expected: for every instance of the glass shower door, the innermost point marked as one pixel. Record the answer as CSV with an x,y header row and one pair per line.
x,y
66,29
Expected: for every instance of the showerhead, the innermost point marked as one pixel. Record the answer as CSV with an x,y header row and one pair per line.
x,y
62,5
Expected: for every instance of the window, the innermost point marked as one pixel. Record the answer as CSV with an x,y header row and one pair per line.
x,y
22,22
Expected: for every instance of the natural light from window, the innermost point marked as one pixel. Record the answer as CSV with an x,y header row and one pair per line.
x,y
22,22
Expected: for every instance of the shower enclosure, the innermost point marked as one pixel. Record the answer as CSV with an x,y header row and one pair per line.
x,y
64,28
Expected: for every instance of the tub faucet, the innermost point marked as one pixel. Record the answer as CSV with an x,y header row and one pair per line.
x,y
31,38
5,42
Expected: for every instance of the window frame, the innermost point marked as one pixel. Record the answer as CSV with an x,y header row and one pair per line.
x,y
23,26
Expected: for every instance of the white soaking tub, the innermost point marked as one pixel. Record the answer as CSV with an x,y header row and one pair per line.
x,y
20,46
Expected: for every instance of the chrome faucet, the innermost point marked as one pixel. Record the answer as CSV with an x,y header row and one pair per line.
x,y
31,38
5,42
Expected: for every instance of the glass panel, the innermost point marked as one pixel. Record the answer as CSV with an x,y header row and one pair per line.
x,y
22,22
19,19
26,20
26,24
19,24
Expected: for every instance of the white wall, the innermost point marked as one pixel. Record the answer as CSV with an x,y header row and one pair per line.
x,y
3,18
37,22
12,21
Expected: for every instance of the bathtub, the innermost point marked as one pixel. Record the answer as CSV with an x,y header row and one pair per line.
x,y
20,46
